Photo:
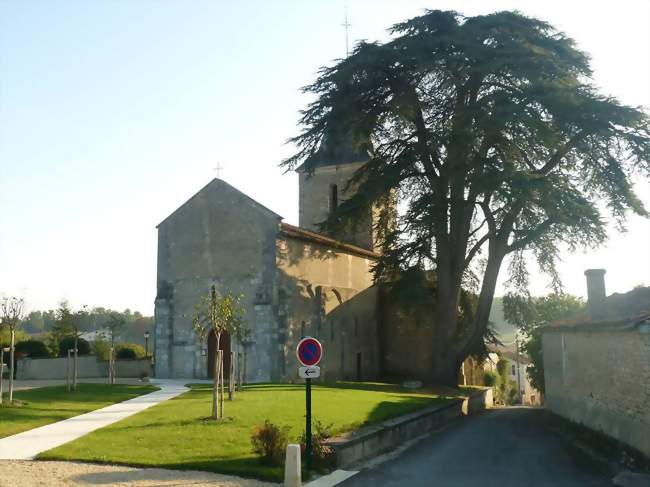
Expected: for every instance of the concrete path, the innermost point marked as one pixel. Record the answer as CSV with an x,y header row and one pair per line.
x,y
28,444
499,448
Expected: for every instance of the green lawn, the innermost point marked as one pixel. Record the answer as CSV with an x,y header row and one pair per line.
x,y
45,405
178,433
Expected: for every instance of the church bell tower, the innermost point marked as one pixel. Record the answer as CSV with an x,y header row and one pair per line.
x,y
322,187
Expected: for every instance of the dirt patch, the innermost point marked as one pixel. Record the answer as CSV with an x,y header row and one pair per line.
x,y
19,473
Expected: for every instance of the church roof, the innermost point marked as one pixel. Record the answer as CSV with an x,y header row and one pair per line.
x,y
216,183
333,155
306,235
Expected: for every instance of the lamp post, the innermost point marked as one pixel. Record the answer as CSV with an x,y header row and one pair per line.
x,y
146,344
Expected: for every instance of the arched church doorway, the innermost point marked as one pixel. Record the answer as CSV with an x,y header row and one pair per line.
x,y
224,344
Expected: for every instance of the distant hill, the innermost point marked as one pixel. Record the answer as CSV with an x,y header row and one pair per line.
x,y
504,331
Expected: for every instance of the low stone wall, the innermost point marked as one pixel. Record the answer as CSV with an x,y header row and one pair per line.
x,y
373,440
87,367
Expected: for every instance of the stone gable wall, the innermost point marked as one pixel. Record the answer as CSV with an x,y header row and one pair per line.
x,y
219,237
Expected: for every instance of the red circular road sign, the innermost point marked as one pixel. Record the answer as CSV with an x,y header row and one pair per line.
x,y
309,351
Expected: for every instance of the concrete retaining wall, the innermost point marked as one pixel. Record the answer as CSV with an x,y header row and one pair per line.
x,y
373,440
87,367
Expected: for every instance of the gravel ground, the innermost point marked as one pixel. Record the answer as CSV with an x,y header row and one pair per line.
x,y
19,473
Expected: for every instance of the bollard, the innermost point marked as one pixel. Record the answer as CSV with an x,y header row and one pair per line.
x,y
292,474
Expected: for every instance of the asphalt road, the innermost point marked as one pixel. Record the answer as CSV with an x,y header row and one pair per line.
x,y
501,448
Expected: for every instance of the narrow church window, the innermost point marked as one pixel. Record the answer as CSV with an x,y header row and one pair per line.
x,y
334,197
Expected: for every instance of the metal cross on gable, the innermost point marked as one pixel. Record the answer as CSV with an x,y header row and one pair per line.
x,y
219,168
347,26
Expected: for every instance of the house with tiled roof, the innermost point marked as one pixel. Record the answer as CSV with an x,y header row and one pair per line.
x,y
597,364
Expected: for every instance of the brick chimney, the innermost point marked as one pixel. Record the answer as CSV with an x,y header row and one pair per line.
x,y
596,295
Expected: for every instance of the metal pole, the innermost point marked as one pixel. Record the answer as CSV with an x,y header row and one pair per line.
x,y
146,346
308,447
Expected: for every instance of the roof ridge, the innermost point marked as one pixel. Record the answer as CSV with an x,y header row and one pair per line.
x,y
298,232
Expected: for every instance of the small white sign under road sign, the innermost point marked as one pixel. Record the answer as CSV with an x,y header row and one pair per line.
x,y
309,372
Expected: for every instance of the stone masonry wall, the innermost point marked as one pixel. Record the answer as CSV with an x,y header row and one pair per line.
x,y
602,380
219,237
327,294
314,192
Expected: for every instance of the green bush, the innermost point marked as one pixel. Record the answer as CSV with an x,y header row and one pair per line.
x,y
33,349
535,371
513,393
67,343
490,378
101,349
129,351
322,455
270,442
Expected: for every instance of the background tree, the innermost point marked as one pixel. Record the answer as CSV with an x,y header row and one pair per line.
x,y
11,318
72,324
216,313
489,132
528,314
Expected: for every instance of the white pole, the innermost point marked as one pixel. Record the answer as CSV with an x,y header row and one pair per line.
x,y
67,370
11,365
2,365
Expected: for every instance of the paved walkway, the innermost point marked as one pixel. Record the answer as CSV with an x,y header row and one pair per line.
x,y
28,444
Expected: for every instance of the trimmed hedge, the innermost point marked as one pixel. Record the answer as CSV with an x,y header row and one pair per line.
x,y
33,349
67,343
129,351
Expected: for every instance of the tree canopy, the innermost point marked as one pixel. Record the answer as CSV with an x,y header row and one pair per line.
x,y
528,314
490,133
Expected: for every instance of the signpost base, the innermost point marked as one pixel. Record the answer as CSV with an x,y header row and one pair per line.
x,y
308,447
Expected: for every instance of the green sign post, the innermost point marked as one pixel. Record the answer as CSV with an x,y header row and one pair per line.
x,y
309,352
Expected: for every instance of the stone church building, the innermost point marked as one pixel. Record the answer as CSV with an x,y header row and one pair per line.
x,y
295,282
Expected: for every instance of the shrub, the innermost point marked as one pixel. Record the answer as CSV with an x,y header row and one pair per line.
x,y
321,454
513,393
535,371
270,442
67,343
101,349
32,348
129,351
490,378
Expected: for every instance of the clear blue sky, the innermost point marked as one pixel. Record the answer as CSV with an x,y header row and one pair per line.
x,y
113,113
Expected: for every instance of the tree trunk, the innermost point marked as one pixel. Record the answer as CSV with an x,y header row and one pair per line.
x,y
12,352
486,296
221,380
215,382
445,366
450,350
